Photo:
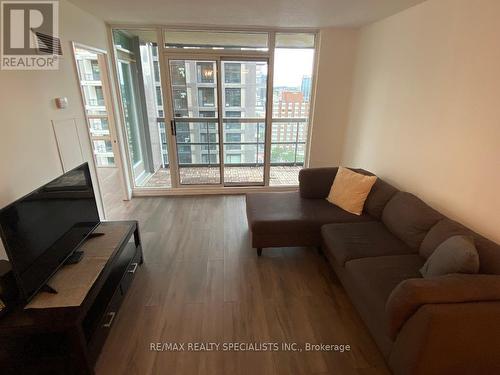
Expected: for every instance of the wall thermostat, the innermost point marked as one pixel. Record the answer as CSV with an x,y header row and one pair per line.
x,y
62,102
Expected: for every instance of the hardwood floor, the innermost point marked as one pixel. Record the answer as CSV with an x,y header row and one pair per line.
x,y
202,282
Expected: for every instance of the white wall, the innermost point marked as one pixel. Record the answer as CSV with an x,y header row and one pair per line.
x,y
425,111
28,151
334,81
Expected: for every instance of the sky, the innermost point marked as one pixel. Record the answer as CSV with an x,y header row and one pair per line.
x,y
290,65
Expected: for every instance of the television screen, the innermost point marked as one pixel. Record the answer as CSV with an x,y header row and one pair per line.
x,y
41,230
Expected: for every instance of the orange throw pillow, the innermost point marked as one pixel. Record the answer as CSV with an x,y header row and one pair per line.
x,y
350,189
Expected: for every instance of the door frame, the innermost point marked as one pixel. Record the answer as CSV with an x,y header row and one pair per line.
x,y
160,29
128,61
110,107
169,104
267,119
218,58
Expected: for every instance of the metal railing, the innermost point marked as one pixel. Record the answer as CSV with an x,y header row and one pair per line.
x,y
294,145
96,102
90,76
289,152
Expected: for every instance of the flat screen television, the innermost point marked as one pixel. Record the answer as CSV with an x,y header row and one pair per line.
x,y
43,229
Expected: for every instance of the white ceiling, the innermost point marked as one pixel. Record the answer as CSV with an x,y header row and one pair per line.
x,y
276,13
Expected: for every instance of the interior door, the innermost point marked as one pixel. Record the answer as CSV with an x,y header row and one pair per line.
x,y
195,124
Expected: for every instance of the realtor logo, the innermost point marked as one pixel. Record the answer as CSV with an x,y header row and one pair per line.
x,y
29,34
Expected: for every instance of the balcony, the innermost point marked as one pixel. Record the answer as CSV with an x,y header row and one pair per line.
x,y
281,175
287,155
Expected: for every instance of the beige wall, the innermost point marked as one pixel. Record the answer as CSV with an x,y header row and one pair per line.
x,y
334,80
28,151
425,111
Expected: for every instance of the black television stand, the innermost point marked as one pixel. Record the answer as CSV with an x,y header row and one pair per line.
x,y
68,340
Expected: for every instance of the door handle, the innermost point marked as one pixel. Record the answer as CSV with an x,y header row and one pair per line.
x,y
173,127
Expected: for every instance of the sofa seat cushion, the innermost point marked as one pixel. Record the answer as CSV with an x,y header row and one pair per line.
x,y
288,212
374,279
345,242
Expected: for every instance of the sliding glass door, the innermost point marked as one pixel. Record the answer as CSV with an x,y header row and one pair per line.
x,y
129,102
195,122
215,109
209,106
244,92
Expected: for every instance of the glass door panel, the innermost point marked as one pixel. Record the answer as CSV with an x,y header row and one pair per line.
x,y
196,124
293,69
244,91
92,82
198,153
139,68
243,152
129,102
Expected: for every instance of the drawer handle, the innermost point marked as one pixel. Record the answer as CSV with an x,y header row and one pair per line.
x,y
111,318
134,269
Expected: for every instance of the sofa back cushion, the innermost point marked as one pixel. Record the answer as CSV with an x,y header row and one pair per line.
x,y
489,251
315,183
380,194
439,233
409,218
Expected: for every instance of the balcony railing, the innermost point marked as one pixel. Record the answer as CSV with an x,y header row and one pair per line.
x,y
90,77
287,152
96,102
291,150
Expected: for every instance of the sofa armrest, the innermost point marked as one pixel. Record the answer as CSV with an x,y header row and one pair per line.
x,y
316,182
410,294
449,339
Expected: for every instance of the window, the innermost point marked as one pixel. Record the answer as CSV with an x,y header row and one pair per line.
x,y
156,69
233,40
205,72
233,137
232,73
99,126
233,158
96,73
233,97
178,72
207,113
180,99
233,126
208,138
293,68
159,100
209,158
206,97
233,113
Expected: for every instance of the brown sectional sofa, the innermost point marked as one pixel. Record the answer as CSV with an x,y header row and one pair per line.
x,y
443,325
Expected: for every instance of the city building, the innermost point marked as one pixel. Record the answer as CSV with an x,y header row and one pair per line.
x,y
306,87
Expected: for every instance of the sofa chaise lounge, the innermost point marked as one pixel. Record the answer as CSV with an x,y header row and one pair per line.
x,y
442,325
